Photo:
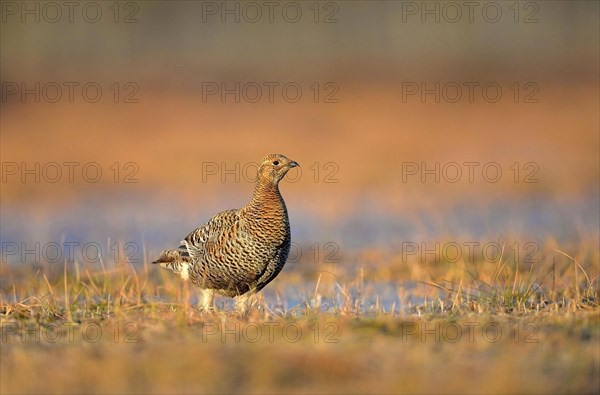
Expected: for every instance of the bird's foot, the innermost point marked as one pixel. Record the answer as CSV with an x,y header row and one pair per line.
x,y
243,304
206,302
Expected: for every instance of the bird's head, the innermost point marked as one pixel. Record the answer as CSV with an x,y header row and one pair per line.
x,y
274,167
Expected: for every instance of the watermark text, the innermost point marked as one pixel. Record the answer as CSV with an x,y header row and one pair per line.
x,y
69,91
470,171
270,11
69,332
223,172
71,172
269,92
69,11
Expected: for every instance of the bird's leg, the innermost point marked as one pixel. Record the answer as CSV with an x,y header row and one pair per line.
x,y
186,295
242,304
206,302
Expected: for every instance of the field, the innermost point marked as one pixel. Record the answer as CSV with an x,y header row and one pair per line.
x,y
507,328
444,217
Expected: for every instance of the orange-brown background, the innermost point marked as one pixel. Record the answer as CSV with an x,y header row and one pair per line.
x,y
369,53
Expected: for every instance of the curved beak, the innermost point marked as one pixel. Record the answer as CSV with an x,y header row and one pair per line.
x,y
293,164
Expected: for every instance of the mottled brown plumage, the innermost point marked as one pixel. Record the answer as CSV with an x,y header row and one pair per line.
x,y
238,252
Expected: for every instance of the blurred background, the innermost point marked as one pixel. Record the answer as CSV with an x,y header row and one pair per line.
x,y
138,121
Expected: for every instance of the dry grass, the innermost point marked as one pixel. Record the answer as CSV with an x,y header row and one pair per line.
x,y
488,327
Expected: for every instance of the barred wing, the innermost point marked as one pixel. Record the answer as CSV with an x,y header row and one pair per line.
x,y
208,235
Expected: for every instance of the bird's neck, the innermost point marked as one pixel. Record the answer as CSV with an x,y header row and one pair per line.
x,y
267,201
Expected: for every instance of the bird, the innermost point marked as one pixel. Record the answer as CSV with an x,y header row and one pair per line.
x,y
238,252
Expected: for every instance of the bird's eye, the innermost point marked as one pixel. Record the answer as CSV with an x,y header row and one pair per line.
x,y
276,163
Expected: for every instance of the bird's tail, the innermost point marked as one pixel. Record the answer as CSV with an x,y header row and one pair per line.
x,y
174,260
